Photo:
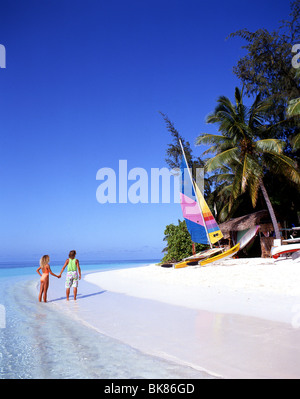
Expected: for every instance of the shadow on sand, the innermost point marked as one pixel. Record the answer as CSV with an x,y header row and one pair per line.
x,y
79,296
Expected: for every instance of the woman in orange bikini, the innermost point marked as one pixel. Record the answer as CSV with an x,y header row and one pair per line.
x,y
44,265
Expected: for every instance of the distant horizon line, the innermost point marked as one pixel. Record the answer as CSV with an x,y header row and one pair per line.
x,y
82,261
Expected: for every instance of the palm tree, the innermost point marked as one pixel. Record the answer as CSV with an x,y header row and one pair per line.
x,y
246,148
293,110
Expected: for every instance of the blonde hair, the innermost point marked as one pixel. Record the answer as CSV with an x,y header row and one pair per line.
x,y
44,260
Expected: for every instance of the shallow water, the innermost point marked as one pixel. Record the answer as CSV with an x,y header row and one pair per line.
x,y
38,341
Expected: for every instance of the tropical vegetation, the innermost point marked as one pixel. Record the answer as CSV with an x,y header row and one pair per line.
x,y
244,150
179,243
253,159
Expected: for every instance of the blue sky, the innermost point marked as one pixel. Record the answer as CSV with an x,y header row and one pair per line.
x,y
83,84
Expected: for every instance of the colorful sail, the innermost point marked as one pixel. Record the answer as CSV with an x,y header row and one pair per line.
x,y
213,229
200,222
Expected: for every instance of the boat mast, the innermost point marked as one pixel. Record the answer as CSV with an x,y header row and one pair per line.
x,y
195,192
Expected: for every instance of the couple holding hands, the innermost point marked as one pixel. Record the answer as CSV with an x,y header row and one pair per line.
x,y
73,274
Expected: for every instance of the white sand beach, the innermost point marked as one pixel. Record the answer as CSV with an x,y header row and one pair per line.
x,y
253,287
235,319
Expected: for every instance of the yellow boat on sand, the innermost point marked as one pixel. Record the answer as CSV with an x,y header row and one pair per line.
x,y
194,259
230,252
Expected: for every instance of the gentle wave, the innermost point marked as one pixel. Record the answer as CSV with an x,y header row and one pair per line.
x,y
40,342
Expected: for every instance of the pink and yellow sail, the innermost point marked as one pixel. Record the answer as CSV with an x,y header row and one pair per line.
x,y
200,222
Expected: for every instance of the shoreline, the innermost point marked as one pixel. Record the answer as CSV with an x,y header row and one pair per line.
x,y
239,328
99,311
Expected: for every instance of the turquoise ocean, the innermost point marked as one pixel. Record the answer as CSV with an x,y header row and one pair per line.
x,y
38,342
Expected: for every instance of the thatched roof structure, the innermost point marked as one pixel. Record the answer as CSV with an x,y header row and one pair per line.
x,y
261,219
244,222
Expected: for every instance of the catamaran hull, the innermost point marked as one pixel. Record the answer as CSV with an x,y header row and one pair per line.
x,y
227,254
248,237
193,260
284,249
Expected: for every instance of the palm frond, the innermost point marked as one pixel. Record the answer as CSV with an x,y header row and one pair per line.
x,y
236,186
225,157
253,189
273,145
225,102
223,177
224,212
238,96
225,190
296,142
293,107
267,131
281,164
245,172
210,139
257,112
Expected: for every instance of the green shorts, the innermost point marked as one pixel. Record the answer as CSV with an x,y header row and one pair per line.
x,y
72,280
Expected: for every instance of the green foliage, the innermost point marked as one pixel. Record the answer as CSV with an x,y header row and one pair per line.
x,y
293,108
266,69
244,151
293,111
179,243
256,150
174,154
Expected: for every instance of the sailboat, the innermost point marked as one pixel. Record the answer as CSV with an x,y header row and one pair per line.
x,y
200,222
284,249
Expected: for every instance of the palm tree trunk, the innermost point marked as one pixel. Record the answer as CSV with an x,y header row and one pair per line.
x,y
270,208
